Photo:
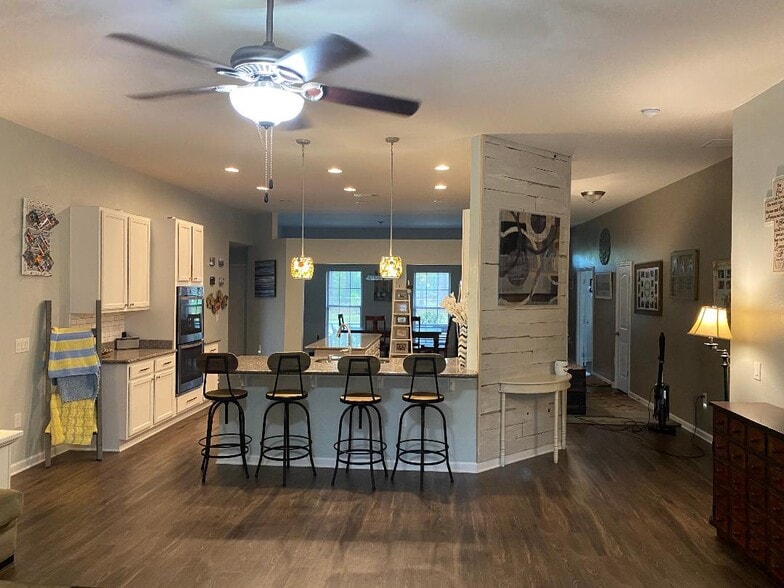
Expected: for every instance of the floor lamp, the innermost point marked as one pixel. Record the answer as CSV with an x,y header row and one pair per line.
x,y
712,323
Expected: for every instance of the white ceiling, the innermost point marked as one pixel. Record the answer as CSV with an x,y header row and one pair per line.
x,y
565,75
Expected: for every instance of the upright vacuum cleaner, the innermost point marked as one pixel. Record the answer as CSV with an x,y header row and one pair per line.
x,y
661,399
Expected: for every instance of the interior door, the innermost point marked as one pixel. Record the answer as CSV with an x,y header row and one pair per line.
x,y
585,318
623,324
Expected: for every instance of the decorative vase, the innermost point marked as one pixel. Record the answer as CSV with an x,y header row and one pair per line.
x,y
462,345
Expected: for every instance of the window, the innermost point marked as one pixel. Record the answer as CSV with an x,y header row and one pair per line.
x,y
430,288
344,296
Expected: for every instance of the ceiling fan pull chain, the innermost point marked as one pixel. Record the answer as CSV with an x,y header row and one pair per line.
x,y
269,157
265,134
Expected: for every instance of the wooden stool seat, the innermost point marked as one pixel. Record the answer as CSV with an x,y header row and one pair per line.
x,y
225,394
286,395
423,397
360,398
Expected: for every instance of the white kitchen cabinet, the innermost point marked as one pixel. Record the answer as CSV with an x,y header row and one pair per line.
x,y
163,396
140,393
109,253
190,253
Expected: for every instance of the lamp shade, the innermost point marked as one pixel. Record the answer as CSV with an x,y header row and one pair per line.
x,y
711,322
263,102
390,266
302,268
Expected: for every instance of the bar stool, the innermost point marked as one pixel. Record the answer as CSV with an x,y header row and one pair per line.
x,y
222,364
281,447
421,451
364,450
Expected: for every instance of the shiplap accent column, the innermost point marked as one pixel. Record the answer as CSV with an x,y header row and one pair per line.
x,y
505,341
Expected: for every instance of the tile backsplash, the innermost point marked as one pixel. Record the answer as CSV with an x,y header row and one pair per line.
x,y
112,324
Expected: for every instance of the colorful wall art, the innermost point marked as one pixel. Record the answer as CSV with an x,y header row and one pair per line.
x,y
38,220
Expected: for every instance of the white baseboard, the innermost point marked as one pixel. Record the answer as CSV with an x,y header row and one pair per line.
x,y
158,428
687,426
603,379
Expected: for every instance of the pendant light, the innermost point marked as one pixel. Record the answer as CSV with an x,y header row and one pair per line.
x,y
391,266
302,267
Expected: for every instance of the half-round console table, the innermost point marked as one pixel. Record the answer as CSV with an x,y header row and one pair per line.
x,y
556,385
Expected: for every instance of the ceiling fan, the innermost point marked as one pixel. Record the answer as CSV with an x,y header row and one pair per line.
x,y
278,81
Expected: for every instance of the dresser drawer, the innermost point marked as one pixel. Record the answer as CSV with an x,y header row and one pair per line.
x,y
776,537
720,421
776,449
776,565
738,456
756,494
756,548
721,474
755,439
738,510
755,468
776,479
721,448
775,508
736,429
721,508
758,523
738,533
738,482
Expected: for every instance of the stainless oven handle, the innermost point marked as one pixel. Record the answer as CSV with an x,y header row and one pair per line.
x,y
191,345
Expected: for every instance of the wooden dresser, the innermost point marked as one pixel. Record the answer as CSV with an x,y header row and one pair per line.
x,y
748,480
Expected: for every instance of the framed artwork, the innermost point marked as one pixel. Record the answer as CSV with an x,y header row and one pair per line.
x,y
401,347
722,283
684,273
401,307
400,333
264,279
602,286
401,320
401,294
38,220
528,258
382,290
647,287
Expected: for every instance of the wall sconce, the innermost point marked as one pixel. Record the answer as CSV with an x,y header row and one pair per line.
x,y
712,323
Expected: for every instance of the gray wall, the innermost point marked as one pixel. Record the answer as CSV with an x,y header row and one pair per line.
x,y
693,213
36,166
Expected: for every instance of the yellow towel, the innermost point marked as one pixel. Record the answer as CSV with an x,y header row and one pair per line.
x,y
72,422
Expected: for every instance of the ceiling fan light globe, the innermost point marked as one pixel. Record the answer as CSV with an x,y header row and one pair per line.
x,y
592,196
263,102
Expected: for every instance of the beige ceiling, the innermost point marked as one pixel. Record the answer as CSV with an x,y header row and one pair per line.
x,y
566,75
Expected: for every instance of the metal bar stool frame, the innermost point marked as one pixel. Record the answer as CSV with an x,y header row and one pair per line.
x,y
222,364
280,447
370,450
417,451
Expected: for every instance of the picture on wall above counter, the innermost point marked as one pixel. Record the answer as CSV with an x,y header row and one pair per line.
x,y
528,259
684,273
647,287
38,220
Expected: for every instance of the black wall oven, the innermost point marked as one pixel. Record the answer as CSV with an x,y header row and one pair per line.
x,y
190,337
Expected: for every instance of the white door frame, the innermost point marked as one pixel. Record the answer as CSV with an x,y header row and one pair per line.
x,y
584,317
623,324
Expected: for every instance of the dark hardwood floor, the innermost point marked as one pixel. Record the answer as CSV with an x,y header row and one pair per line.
x,y
612,513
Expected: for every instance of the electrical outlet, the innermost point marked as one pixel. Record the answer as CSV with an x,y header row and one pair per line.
x,y
18,420
758,371
23,345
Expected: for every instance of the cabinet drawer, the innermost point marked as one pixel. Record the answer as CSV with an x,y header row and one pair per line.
x,y
775,508
736,430
775,479
755,468
756,495
721,448
776,565
140,368
189,400
776,537
738,482
755,439
720,421
164,363
738,509
738,532
721,474
758,523
737,456
776,449
721,506
756,548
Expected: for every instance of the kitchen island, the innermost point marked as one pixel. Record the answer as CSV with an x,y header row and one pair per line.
x,y
358,343
325,385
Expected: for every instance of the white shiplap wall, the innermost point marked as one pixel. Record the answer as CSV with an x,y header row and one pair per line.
x,y
514,340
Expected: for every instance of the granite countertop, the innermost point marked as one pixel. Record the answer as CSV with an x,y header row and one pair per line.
x,y
133,355
257,364
333,342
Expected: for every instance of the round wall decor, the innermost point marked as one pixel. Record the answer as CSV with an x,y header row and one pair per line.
x,y
604,247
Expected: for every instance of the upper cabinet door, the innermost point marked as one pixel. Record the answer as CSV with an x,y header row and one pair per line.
x,y
138,262
114,260
197,253
183,252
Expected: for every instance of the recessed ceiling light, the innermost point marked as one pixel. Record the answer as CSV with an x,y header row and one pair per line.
x,y
650,112
440,186
335,170
349,189
441,167
232,170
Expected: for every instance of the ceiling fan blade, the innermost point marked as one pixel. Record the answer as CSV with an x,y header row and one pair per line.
x,y
171,51
324,55
370,100
297,124
181,93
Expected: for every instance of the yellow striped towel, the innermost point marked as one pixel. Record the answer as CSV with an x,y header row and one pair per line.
x,y
72,352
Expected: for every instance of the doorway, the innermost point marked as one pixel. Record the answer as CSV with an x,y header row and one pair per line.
x,y
623,325
238,312
584,341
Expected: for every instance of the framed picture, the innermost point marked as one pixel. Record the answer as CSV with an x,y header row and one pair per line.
x,y
684,273
400,333
529,258
401,307
264,279
401,320
602,286
647,287
722,283
382,290
401,294
38,220
401,347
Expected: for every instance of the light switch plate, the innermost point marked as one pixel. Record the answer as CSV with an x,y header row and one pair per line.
x,y
23,345
758,371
